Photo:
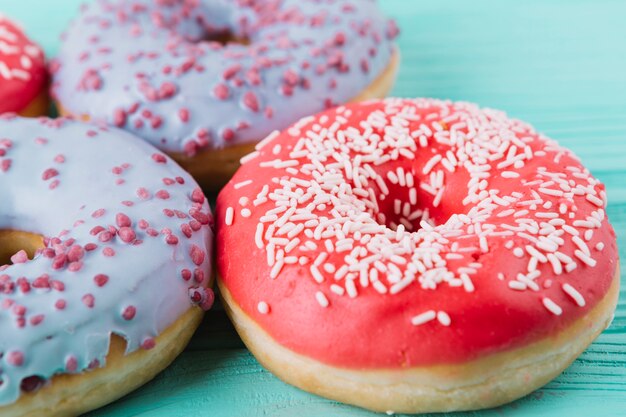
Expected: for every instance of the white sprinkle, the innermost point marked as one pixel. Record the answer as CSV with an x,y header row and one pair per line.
x,y
263,307
242,184
246,213
258,236
551,306
317,275
247,158
574,294
589,261
595,200
430,164
321,299
509,174
268,139
423,318
517,285
443,318
229,216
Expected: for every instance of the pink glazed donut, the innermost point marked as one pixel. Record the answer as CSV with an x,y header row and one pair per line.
x,y
23,74
106,246
415,256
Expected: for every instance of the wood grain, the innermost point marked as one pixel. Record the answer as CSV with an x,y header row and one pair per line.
x,y
560,65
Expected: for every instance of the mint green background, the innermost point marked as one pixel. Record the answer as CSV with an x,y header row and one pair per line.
x,y
560,65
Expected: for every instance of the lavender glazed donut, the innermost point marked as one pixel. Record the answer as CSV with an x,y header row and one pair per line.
x,y
205,80
120,241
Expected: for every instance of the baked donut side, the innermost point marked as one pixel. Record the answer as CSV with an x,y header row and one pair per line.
x,y
75,394
23,73
403,236
477,384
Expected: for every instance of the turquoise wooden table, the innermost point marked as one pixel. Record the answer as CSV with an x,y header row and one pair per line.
x,y
560,65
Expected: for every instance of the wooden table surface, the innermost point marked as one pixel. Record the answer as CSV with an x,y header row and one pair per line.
x,y
560,65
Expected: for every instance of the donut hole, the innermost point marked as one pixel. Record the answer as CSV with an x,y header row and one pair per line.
x,y
14,241
32,383
399,208
223,37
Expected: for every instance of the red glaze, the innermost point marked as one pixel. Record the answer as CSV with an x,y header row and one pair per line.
x,y
481,312
23,74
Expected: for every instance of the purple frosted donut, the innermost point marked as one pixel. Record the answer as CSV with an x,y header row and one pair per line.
x,y
214,75
121,237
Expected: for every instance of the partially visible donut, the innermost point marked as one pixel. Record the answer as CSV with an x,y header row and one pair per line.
x,y
205,80
122,239
415,256
23,73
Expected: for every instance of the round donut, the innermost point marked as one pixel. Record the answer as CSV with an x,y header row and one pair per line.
x,y
205,80
23,73
106,253
415,255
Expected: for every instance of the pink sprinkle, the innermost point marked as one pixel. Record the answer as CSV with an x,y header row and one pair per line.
x,y
251,101
159,158
57,285
59,159
127,234
98,213
129,313
71,364
20,257
122,220
59,261
186,229
75,253
5,165
90,246
162,194
171,240
105,236
197,255
186,274
167,90
143,193
119,117
89,300
15,358
231,71
291,77
60,304
108,252
198,275
35,320
221,91
204,297
101,280
49,173
148,343
183,114
75,266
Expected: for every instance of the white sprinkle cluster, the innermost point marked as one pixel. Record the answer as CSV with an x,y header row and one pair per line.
x,y
9,47
348,203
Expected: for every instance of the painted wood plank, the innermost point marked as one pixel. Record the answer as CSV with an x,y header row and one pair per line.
x,y
560,65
